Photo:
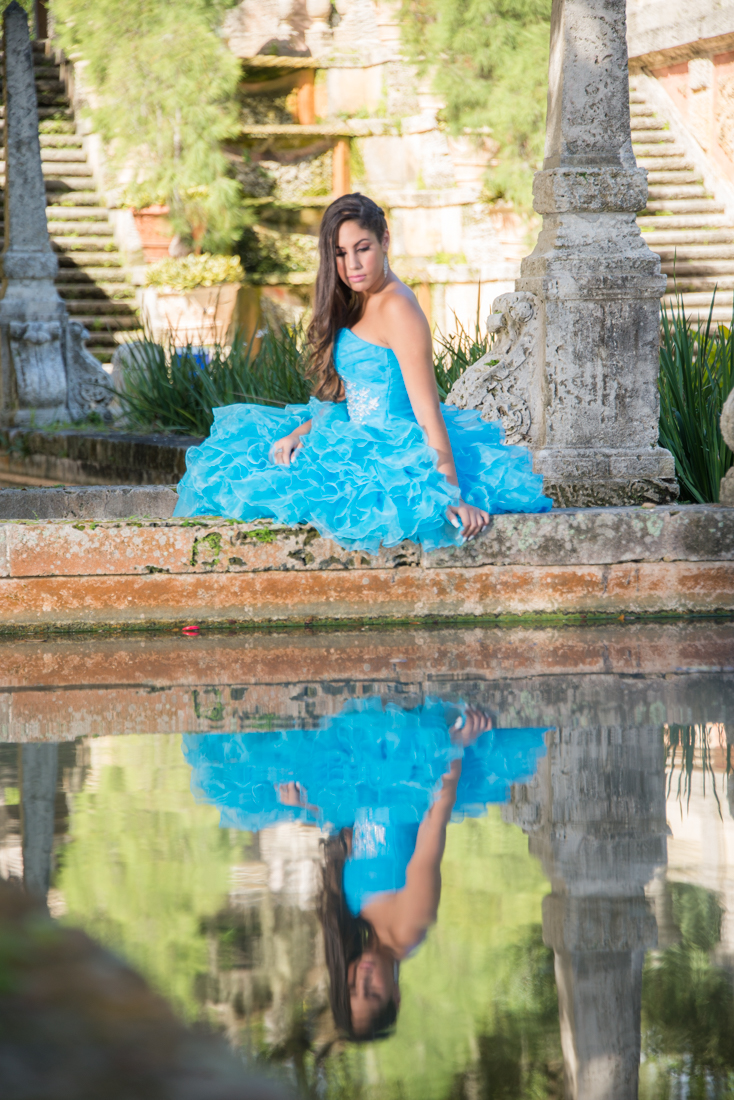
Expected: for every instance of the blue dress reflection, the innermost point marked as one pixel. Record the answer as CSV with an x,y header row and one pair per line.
x,y
382,783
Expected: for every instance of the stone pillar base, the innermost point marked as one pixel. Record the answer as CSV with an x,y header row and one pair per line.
x,y
591,478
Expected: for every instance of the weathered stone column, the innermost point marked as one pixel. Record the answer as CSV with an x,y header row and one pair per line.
x,y
45,372
38,773
595,813
594,398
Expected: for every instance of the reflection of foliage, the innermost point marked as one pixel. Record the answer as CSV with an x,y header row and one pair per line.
x,y
686,748
688,1002
493,71
146,866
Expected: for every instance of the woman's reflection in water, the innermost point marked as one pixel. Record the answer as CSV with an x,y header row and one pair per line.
x,y
385,783
364,951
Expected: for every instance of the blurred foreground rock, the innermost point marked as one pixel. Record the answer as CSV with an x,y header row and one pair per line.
x,y
77,1024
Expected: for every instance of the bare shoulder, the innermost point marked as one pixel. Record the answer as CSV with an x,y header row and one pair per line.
x,y
399,312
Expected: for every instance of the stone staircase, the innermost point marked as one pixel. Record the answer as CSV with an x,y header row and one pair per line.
x,y
92,278
685,225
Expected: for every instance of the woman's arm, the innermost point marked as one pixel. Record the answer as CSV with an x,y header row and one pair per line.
x,y
285,449
405,324
401,919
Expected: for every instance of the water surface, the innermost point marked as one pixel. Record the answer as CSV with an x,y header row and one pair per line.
x,y
175,796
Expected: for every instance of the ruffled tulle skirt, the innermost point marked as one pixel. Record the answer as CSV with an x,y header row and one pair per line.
x,y
370,755
362,484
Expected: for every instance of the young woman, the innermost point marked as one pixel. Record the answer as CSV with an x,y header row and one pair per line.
x,y
374,458
383,783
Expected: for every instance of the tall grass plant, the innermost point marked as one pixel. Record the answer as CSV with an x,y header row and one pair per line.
x,y
696,377
175,389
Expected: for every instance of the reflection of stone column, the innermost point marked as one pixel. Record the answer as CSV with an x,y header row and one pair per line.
x,y
38,773
595,812
594,399
46,373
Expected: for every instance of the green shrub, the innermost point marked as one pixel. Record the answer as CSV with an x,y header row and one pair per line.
x,y
488,59
166,91
175,389
194,271
453,354
696,377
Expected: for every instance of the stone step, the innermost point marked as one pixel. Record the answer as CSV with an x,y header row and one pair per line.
x,y
73,272
644,122
64,229
55,113
82,243
98,324
689,253
701,313
724,300
706,284
89,291
70,141
661,148
684,221
652,136
104,308
677,176
680,237
75,196
53,127
72,213
89,260
636,97
677,191
685,206
641,110
665,164
681,268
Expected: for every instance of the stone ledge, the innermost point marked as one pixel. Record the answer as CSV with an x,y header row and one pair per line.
x,y
92,458
676,560
619,674
88,502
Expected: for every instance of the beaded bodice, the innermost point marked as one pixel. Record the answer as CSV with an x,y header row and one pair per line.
x,y
372,380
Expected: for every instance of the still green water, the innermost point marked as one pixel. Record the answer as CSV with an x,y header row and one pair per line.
x,y
592,906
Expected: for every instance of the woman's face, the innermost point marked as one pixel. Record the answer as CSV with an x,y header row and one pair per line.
x,y
372,985
360,257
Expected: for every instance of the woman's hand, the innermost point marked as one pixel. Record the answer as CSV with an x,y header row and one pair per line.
x,y
470,725
471,520
286,449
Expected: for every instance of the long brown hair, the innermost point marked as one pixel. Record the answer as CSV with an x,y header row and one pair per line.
x,y
336,305
346,937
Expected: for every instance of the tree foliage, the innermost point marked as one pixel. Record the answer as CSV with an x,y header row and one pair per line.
x,y
488,59
165,90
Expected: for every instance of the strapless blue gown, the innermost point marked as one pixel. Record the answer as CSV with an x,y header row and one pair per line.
x,y
373,767
366,475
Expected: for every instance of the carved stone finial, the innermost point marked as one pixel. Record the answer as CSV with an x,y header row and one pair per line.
x,y
498,384
726,490
89,387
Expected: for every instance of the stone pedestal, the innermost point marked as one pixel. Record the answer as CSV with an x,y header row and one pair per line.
x,y
595,398
45,372
595,813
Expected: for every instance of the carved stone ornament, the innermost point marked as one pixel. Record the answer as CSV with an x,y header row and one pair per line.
x,y
35,347
498,384
726,490
89,387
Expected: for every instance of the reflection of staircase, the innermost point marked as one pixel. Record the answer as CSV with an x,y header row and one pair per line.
x,y
682,223
91,277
